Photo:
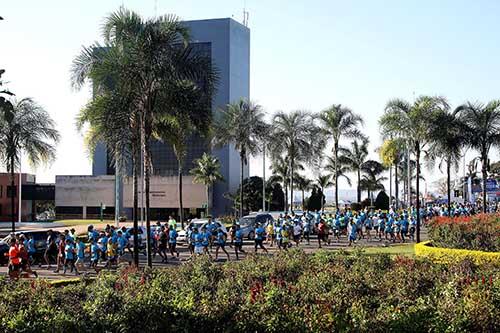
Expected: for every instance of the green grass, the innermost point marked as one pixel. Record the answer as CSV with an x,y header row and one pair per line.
x,y
404,249
69,223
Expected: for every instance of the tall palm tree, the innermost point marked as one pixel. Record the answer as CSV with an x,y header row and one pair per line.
x,y
176,127
207,172
391,153
337,170
482,131
242,124
323,182
411,122
339,122
354,158
27,128
303,184
293,135
372,179
159,60
280,170
447,140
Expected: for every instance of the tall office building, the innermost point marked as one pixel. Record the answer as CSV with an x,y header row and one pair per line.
x,y
227,42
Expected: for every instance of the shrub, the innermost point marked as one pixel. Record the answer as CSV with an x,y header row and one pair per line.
x,y
479,232
291,292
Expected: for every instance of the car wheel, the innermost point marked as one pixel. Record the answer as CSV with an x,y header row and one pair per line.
x,y
251,235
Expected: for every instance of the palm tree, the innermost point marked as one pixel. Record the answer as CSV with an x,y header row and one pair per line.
x,y
207,172
338,122
303,184
323,181
241,124
354,158
341,170
293,136
177,127
280,169
371,180
391,153
411,122
482,131
150,59
447,142
26,127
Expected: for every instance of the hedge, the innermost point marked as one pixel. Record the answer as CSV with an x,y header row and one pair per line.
x,y
289,292
447,255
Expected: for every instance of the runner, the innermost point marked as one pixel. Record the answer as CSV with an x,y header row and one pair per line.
x,y
69,256
14,260
51,248
260,236
172,240
238,241
221,244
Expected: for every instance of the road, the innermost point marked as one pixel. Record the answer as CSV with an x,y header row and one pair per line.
x,y
184,254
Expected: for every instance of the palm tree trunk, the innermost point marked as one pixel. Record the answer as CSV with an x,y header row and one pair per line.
x,y
396,185
484,171
242,159
322,200
135,172
181,206
336,153
209,202
291,184
286,194
448,184
359,187
390,186
147,169
417,153
12,195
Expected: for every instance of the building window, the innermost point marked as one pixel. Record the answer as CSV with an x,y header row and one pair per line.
x,y
11,193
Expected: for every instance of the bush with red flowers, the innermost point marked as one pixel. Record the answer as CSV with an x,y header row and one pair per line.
x,y
479,232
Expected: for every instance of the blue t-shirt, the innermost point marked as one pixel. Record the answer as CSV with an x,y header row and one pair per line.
x,y
30,245
198,240
81,250
259,233
69,251
205,236
238,235
220,238
95,251
122,242
172,236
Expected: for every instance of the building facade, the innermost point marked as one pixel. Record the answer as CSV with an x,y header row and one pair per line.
x,y
227,42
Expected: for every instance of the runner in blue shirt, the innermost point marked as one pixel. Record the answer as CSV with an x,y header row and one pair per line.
x,y
80,250
172,241
95,254
352,233
220,242
198,241
69,256
260,236
238,241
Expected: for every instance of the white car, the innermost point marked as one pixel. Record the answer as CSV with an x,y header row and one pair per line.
x,y
198,224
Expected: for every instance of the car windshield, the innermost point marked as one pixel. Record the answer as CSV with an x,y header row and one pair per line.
x,y
246,221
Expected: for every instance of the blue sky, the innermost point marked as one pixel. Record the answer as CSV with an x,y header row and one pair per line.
x,y
304,55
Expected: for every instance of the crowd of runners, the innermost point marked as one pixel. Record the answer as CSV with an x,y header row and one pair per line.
x,y
106,248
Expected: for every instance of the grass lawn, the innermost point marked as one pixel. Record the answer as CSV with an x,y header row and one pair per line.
x,y
69,223
404,249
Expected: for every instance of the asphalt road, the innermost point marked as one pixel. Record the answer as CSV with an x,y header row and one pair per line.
x,y
184,255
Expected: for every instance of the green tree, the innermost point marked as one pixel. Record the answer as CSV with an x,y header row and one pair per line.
x,y
304,184
447,140
339,122
372,180
177,127
28,128
153,58
293,135
323,182
354,158
391,153
482,131
207,172
242,124
412,123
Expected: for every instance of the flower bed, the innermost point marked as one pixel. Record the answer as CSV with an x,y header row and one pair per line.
x,y
292,292
478,233
447,255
